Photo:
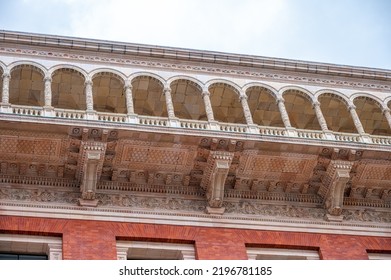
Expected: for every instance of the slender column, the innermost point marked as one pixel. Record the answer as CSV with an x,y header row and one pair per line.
x,y
283,112
246,109
170,106
48,91
387,114
208,105
89,97
319,115
129,98
6,86
356,119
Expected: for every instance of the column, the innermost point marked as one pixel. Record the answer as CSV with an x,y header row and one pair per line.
x,y
320,117
129,98
89,97
387,114
283,112
208,105
170,106
356,119
48,91
246,109
6,85
357,123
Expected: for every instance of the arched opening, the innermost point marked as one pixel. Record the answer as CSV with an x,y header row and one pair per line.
x,y
148,97
1,83
108,92
263,107
300,111
187,100
26,86
336,113
225,104
371,116
68,89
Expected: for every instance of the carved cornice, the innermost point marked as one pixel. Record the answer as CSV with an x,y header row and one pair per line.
x,y
260,73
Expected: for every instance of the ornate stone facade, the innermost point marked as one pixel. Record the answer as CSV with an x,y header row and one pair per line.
x,y
138,135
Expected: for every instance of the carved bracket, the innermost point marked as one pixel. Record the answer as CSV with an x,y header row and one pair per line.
x,y
213,182
335,180
89,170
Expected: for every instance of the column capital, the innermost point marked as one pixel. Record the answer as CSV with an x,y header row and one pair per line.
x,y
205,92
167,89
385,110
88,82
128,84
315,103
6,74
352,107
280,99
47,79
243,96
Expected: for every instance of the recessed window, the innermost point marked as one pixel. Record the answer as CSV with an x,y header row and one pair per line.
x,y
281,254
140,250
30,247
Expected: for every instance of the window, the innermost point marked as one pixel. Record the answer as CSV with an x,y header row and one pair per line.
x,y
18,247
281,254
139,250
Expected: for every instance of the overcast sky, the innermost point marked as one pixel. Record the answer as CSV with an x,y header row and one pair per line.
x,y
351,32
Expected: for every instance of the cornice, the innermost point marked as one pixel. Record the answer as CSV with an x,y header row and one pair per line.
x,y
177,59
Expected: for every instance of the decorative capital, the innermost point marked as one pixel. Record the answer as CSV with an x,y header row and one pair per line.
x,y
316,104
352,107
128,85
243,97
48,78
205,92
166,90
280,99
88,83
385,110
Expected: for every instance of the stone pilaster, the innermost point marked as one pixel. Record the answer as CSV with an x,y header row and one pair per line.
x,y
48,91
319,116
129,98
89,97
284,113
387,115
208,105
356,119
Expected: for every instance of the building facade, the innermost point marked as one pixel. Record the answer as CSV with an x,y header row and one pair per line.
x,y
113,150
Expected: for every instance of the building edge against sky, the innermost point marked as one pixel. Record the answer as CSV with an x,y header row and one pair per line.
x,y
123,151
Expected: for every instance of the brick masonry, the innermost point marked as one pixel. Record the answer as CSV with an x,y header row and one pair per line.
x,y
97,239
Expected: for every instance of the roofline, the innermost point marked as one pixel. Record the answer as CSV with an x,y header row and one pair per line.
x,y
183,54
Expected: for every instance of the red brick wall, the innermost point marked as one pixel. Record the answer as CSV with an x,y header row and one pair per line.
x,y
97,239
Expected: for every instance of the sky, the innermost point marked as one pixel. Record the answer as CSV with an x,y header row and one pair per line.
x,y
347,32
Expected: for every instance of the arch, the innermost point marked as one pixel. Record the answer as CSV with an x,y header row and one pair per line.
x,y
38,67
100,71
67,85
108,92
158,78
148,95
370,112
335,93
263,105
387,102
187,99
302,91
334,106
225,101
299,105
68,67
261,85
27,84
228,83
196,82
377,100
